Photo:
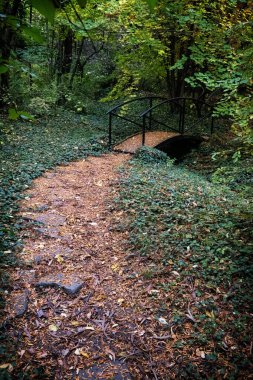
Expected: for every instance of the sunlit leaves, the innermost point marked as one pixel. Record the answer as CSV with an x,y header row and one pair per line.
x,y
14,114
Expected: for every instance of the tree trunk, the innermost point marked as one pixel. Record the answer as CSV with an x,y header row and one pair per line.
x,y
67,52
7,44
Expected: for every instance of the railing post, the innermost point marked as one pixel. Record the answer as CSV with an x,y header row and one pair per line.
x,y
110,131
143,129
150,113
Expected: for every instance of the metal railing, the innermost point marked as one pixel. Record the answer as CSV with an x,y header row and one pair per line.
x,y
147,118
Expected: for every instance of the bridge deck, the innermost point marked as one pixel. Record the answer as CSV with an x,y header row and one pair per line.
x,y
131,144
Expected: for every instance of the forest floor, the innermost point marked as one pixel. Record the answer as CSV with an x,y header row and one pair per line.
x,y
130,269
79,309
83,311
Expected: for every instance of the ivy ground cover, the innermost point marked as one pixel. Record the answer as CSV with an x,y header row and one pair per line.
x,y
196,253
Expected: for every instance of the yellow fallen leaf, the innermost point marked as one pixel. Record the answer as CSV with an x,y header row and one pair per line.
x,y
210,314
59,258
84,354
115,267
53,328
75,323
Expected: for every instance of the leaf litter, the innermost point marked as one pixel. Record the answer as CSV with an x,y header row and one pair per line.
x,y
65,334
117,324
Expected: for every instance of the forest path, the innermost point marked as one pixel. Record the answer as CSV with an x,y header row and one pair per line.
x,y
80,308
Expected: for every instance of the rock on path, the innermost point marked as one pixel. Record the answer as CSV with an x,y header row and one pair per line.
x,y
70,284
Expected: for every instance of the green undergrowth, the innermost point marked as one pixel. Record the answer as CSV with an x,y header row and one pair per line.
x,y
200,233
28,149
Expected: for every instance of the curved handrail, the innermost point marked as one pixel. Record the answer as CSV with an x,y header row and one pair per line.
x,y
133,100
173,100
143,115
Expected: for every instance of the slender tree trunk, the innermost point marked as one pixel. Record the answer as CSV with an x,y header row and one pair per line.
x,y
77,63
172,85
7,43
30,65
52,54
67,52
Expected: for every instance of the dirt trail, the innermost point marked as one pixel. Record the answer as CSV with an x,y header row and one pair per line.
x,y
76,311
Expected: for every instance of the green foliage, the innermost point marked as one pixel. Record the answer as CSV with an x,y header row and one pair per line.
x,y
33,33
45,7
150,155
14,115
3,69
200,235
82,3
151,3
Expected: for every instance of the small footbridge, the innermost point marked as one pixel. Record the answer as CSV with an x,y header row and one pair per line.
x,y
158,121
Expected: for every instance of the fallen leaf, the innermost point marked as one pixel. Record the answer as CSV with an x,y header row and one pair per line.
x,y
84,354
89,328
75,323
115,267
59,258
162,321
210,314
53,328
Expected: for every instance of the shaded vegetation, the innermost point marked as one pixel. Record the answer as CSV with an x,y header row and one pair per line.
x,y
199,236
61,64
